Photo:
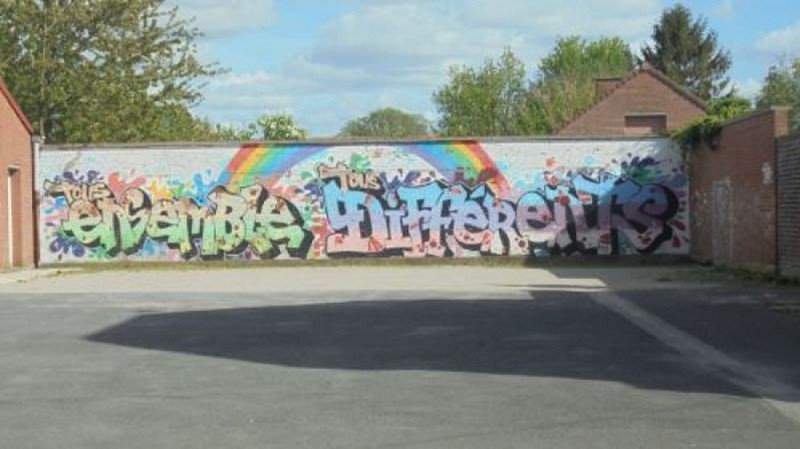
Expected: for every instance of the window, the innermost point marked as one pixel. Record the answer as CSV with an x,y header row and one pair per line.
x,y
644,124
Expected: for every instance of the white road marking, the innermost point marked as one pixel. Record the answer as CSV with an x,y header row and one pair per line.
x,y
780,395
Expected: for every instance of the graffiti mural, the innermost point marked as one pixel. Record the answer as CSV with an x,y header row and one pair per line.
x,y
432,199
252,218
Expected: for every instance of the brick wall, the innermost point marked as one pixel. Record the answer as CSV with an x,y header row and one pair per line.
x,y
516,197
15,151
644,93
789,206
733,193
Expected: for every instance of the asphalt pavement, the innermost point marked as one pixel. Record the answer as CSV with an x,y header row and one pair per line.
x,y
458,357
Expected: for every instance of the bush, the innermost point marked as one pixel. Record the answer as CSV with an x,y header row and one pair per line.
x,y
706,129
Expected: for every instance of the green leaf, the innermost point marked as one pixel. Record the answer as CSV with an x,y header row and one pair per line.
x,y
106,70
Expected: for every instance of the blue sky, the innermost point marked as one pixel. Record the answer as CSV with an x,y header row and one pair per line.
x,y
327,61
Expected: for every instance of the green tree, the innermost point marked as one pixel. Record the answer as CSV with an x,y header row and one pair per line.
x,y
782,88
103,70
729,107
280,127
232,133
386,122
687,51
211,132
565,87
483,101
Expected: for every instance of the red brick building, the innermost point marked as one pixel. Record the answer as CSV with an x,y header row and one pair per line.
x,y
17,224
733,193
645,102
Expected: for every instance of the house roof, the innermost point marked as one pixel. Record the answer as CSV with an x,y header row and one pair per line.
x,y
15,106
633,74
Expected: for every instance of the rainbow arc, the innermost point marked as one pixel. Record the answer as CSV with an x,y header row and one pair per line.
x,y
455,161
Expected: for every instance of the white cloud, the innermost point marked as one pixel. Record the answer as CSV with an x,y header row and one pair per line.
x,y
244,79
748,88
625,18
250,92
239,98
780,43
218,18
398,51
413,42
401,43
724,10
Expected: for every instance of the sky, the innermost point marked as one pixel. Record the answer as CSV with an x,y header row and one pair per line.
x,y
328,61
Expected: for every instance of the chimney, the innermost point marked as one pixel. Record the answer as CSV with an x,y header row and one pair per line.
x,y
603,86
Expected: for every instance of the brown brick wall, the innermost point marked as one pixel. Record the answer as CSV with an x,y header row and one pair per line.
x,y
742,162
789,206
15,150
642,94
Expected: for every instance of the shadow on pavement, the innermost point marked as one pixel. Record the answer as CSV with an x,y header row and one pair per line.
x,y
554,334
